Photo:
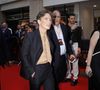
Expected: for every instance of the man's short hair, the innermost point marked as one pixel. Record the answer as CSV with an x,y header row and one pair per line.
x,y
72,14
42,13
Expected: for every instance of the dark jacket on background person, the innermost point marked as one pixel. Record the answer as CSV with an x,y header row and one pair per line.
x,y
5,37
59,62
65,32
75,35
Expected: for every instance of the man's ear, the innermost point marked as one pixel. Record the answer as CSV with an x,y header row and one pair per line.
x,y
38,21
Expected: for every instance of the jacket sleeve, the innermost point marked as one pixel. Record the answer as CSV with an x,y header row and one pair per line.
x,y
79,36
25,56
69,47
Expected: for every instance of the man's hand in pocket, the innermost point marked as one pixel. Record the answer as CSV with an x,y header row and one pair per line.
x,y
33,75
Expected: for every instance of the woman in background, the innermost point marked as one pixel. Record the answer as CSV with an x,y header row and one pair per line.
x,y
93,60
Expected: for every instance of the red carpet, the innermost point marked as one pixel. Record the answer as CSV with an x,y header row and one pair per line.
x,y
11,80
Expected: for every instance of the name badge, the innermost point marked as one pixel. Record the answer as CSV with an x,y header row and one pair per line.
x,y
60,41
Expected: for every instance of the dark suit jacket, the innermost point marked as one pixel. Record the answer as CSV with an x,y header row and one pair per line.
x,y
5,45
31,51
54,39
59,62
76,35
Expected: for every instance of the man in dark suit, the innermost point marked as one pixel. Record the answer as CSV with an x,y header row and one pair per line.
x,y
5,35
59,36
36,55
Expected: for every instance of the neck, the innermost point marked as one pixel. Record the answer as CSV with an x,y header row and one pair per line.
x,y
57,25
42,30
70,24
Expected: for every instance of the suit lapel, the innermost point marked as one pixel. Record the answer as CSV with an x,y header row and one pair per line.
x,y
63,32
37,44
50,41
54,34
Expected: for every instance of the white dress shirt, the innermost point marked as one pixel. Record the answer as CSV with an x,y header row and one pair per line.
x,y
59,34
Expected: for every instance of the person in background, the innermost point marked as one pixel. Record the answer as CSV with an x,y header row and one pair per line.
x,y
59,36
4,25
93,60
6,43
75,33
1,51
18,31
24,30
20,34
36,55
34,24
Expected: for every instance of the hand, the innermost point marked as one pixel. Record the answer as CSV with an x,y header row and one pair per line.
x,y
71,57
33,75
88,69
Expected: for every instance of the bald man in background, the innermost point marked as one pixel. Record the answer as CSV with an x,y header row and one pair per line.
x,y
59,36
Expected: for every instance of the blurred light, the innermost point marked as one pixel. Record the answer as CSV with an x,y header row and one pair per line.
x,y
66,9
94,6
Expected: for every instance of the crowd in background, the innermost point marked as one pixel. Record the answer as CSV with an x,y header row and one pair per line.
x,y
11,41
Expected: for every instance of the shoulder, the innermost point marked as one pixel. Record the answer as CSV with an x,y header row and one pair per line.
x,y
51,28
65,28
95,32
32,32
63,25
78,28
29,35
95,35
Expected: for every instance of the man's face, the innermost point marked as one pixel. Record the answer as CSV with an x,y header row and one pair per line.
x,y
45,21
18,27
4,25
34,23
71,19
57,17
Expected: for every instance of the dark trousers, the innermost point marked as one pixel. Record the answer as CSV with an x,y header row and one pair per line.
x,y
93,84
43,76
59,70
